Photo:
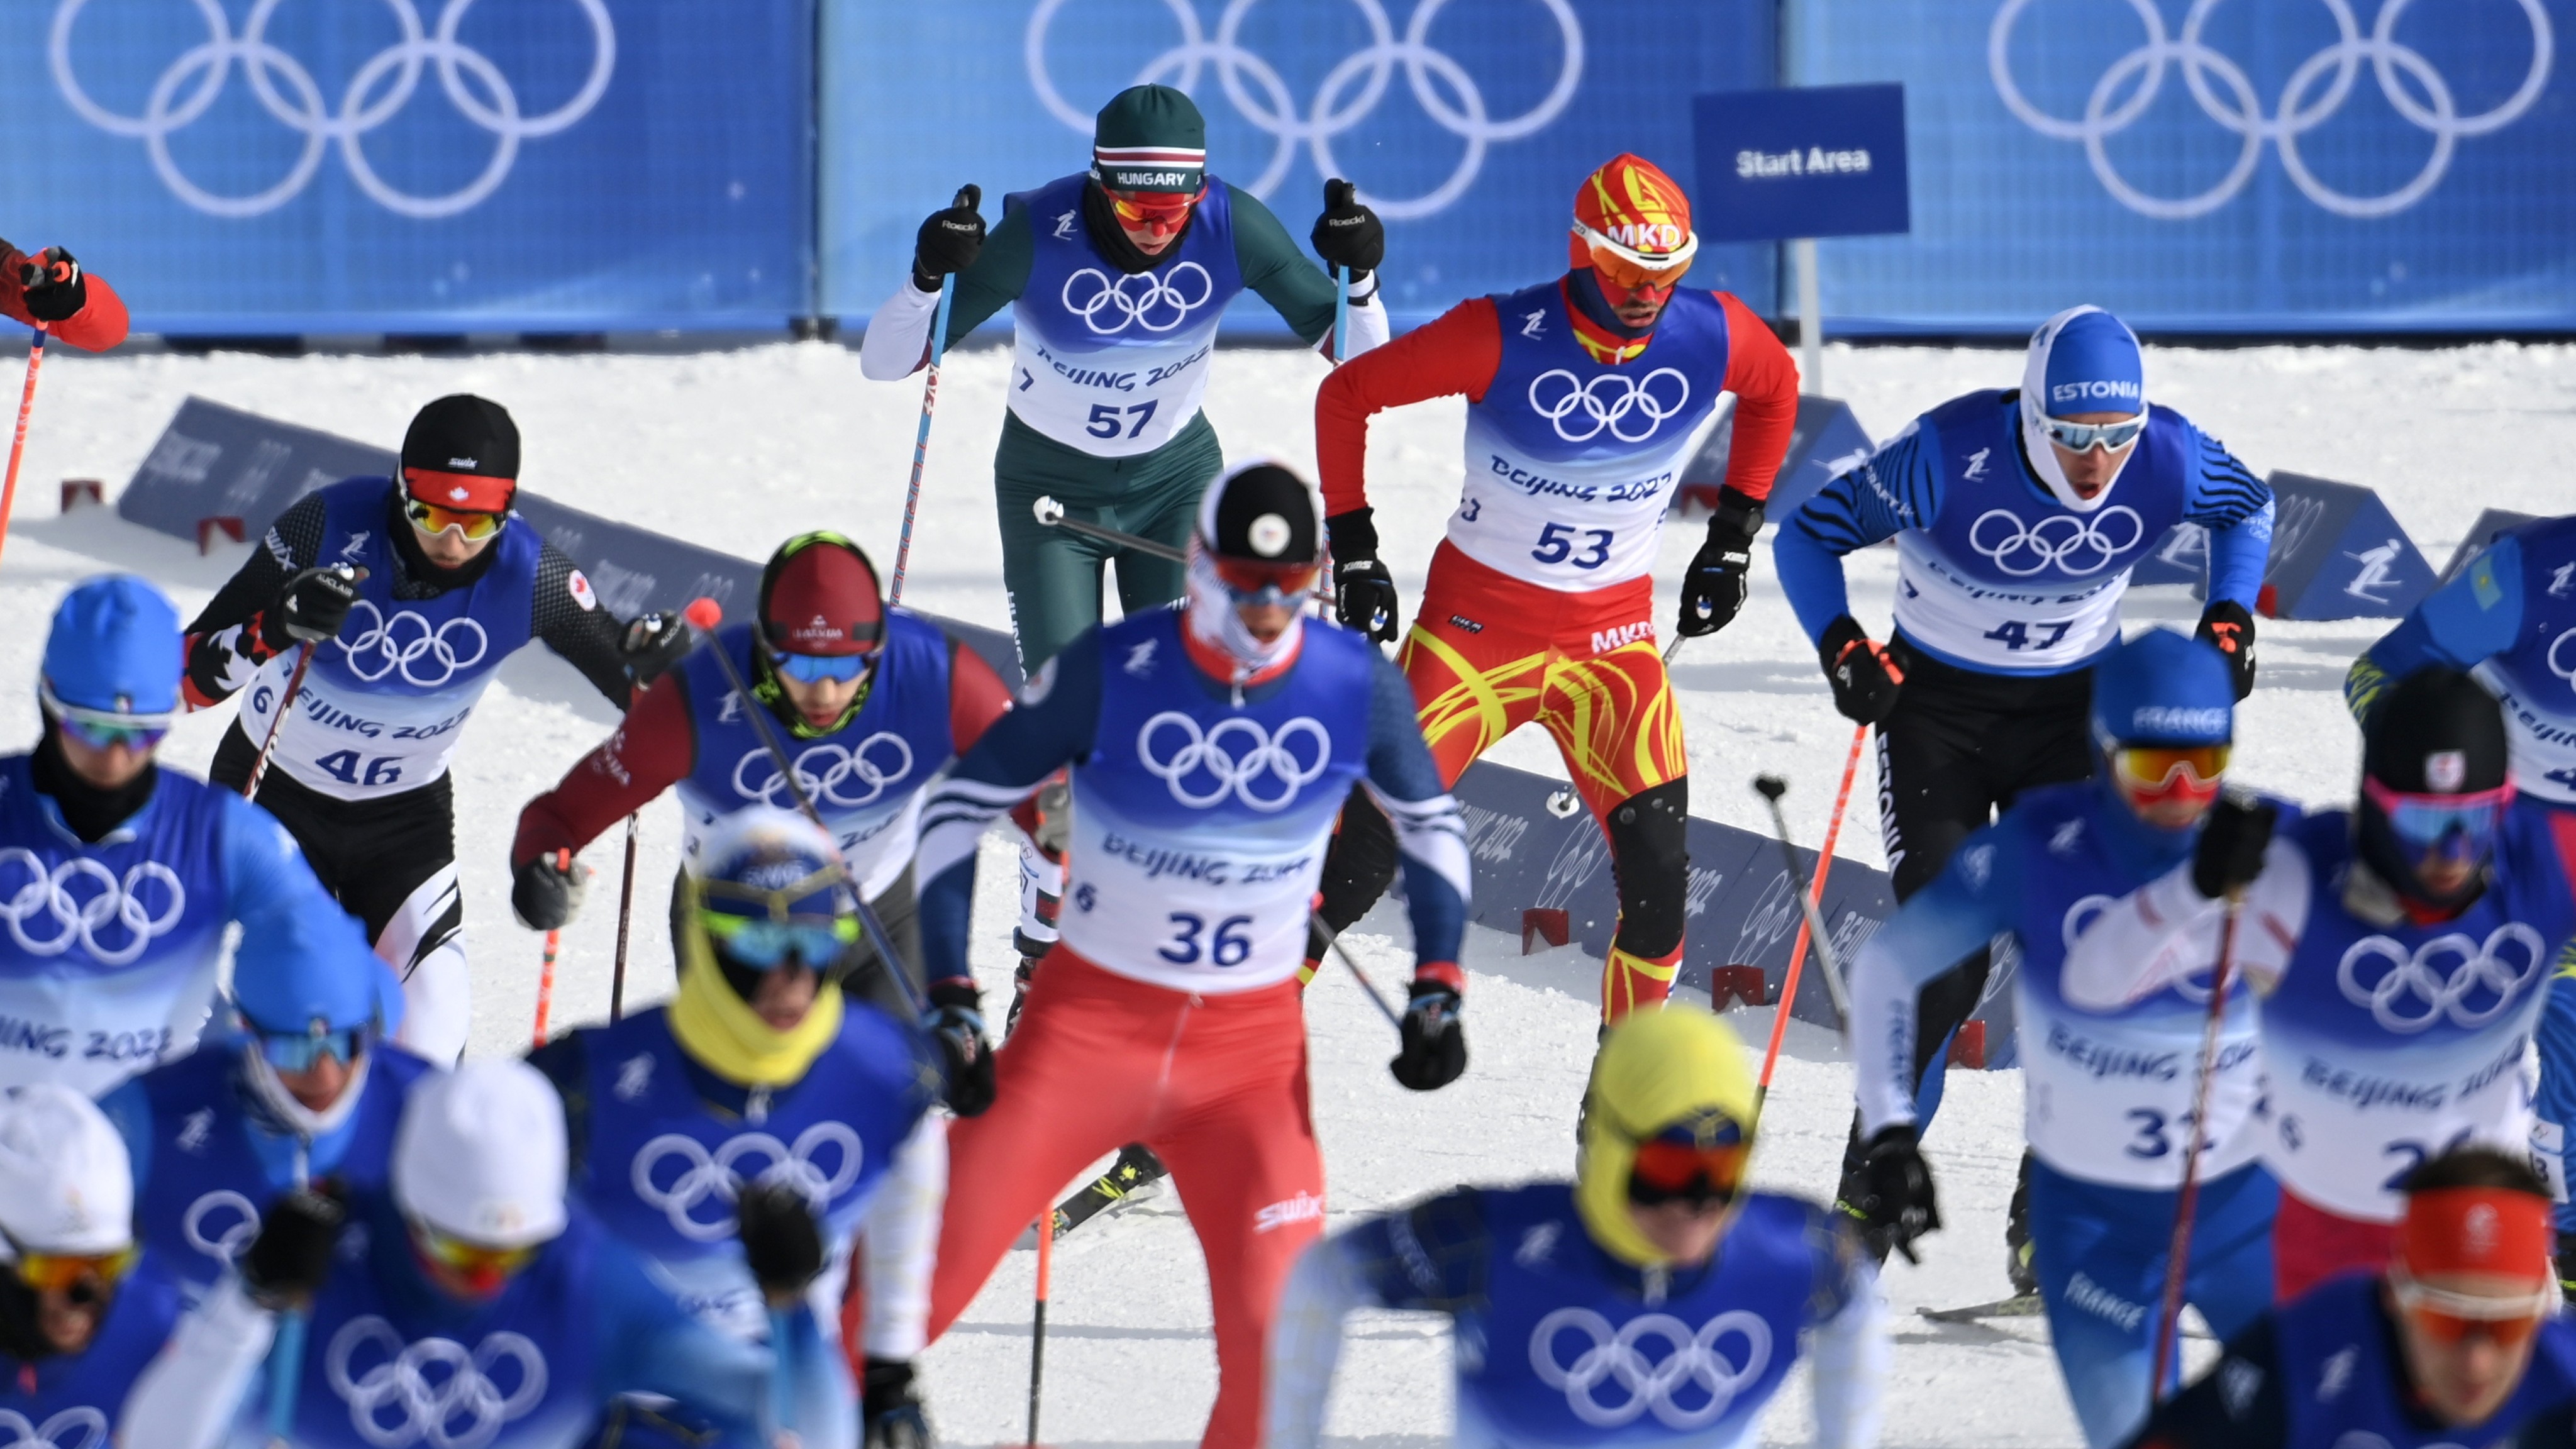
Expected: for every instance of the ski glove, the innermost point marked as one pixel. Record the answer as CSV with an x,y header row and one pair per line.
x,y
2226,624
949,240
2233,839
1363,591
1434,1042
1713,588
546,893
52,286
290,1259
1896,1204
653,643
891,1409
310,607
956,1024
1864,676
1348,234
781,1242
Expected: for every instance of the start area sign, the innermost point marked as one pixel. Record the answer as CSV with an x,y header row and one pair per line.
x,y
1802,161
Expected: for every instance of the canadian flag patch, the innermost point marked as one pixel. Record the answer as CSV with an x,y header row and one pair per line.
x,y
581,593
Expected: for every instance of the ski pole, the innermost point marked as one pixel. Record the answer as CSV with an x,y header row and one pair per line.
x,y
18,445
782,1374
968,197
1812,929
1037,1328
285,702
625,916
2178,1253
546,978
1315,922
1051,514
286,1352
1341,315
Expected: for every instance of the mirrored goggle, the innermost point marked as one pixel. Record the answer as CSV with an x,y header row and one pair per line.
x,y
815,668
1162,212
2163,767
2084,437
2459,827
469,525
1671,1170
2450,1317
483,1268
1625,266
62,1272
1250,581
103,729
764,945
298,1051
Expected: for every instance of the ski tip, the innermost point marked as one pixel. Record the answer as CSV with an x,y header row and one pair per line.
x,y
703,613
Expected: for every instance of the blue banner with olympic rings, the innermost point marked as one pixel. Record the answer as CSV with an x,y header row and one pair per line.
x,y
2196,165
1466,124
248,166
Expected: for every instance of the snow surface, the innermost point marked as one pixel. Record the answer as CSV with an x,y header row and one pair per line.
x,y
740,449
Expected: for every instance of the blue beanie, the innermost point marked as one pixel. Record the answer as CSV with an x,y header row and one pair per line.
x,y
116,648
2164,688
2089,362
314,966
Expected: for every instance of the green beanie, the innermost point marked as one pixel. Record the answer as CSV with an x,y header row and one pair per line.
x,y
1149,138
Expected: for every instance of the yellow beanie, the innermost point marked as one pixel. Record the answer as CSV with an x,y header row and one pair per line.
x,y
1656,1069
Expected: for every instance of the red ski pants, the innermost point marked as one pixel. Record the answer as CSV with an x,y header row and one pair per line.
x,y
2311,1244
1215,1085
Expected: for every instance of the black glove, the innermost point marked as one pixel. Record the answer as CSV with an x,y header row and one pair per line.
x,y
1713,586
1896,1203
55,290
1435,1042
1363,591
1348,234
956,1023
290,1259
781,1242
949,241
2226,624
310,607
2233,837
544,895
891,1409
653,643
1864,678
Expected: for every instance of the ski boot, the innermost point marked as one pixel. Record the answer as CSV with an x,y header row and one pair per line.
x,y
1135,1176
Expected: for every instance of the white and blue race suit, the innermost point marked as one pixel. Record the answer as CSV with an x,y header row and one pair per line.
x,y
662,1147
1994,574
2510,619
1560,1345
75,1401
2107,1090
209,1158
109,951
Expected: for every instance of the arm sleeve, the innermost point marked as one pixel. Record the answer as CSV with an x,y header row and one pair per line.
x,y
1430,830
1765,384
897,343
99,325
574,625
901,1239
1458,353
652,750
1050,727
2469,619
1950,918
190,1394
266,877
2236,508
129,1110
1295,285
976,696
1847,1337
652,1345
2241,1403
1306,1342
224,647
1896,488
2167,930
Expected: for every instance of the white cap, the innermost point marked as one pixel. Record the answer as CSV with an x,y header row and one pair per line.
x,y
65,1183
480,1154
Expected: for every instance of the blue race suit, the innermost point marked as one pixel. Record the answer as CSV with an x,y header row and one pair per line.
x,y
72,1402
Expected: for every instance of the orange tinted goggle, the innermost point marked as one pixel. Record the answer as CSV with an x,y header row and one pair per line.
x,y
2164,767
2450,1317
1627,267
472,526
1247,579
484,1269
1159,210
1666,1170
60,1272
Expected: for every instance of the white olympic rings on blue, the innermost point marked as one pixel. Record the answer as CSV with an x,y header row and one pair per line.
x,y
1161,290
1608,401
2061,540
1236,754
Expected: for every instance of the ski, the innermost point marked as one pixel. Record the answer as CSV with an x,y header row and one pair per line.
x,y
1134,1177
2020,1305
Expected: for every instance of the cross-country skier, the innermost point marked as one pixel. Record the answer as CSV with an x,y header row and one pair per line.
x,y
52,291
1211,747
1587,394
1116,278
2108,1095
120,876
1655,1299
411,592
82,1307
467,1304
2452,1337
2507,619
307,1087
761,1070
2400,950
2017,514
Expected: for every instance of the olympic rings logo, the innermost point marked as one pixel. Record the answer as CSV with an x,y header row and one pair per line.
x,y
383,645
2563,671
1650,1384
381,87
119,903
223,1247
719,1175
2061,540
1113,297
2315,91
825,773
24,1433
2419,975
1348,94
1607,401
1237,756
435,1383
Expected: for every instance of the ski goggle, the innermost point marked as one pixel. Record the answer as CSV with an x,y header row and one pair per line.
x,y
1680,1165
298,1051
2084,437
2458,828
483,1269
2449,1317
815,668
469,525
1628,267
764,945
1249,581
103,729
2162,769
1160,212
64,1272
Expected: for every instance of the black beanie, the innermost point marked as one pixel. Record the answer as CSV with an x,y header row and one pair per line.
x,y
462,433
1260,511
2436,732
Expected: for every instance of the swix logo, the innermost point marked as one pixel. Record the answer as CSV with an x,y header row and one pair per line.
x,y
1534,323
1605,640
1305,1207
2378,571
194,1129
1648,236
1064,227
1976,468
1140,658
